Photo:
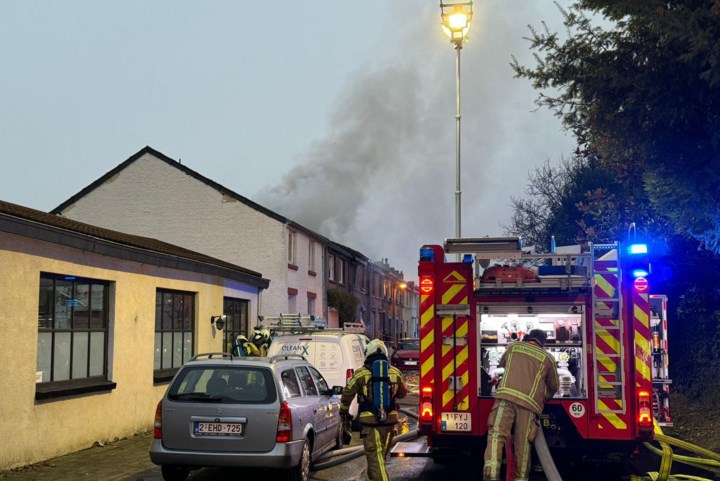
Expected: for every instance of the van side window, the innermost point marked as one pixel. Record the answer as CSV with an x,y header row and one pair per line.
x,y
357,351
290,384
319,380
307,381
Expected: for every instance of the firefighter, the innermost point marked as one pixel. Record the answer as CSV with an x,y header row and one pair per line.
x,y
377,426
529,379
261,342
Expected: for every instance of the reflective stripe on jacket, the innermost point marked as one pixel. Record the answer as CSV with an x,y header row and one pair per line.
x,y
530,376
358,386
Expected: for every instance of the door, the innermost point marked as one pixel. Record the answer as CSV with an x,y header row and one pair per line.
x,y
310,390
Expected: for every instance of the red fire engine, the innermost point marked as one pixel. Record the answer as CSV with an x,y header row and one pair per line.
x,y
595,306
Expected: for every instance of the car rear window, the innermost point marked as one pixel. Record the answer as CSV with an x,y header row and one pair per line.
x,y
409,345
226,384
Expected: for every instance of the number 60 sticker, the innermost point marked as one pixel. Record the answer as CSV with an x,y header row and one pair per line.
x,y
577,410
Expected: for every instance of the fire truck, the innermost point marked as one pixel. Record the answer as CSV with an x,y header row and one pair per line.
x,y
606,331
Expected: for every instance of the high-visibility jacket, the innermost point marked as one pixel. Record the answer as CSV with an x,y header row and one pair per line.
x,y
530,376
358,386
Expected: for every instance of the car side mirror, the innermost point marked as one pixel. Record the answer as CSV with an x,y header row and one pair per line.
x,y
337,390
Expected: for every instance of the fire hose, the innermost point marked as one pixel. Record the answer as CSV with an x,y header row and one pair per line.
x,y
340,456
710,461
546,460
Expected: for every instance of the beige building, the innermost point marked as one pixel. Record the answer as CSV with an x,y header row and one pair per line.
x,y
95,322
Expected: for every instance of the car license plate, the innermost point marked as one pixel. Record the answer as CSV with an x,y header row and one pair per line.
x,y
218,429
456,421
411,363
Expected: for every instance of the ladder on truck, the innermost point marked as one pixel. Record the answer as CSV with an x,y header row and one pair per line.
x,y
607,330
303,324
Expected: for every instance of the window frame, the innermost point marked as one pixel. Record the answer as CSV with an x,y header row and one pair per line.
x,y
331,267
292,247
166,373
96,371
341,271
311,256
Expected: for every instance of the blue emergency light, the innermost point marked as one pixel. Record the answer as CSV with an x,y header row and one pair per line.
x,y
640,272
638,249
638,262
468,258
427,254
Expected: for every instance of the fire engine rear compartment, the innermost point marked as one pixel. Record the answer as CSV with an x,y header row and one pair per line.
x,y
564,326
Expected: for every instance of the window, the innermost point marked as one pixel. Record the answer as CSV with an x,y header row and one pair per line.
x,y
311,256
226,384
72,339
311,306
292,239
292,303
359,273
331,267
290,384
236,322
319,380
306,381
174,331
341,271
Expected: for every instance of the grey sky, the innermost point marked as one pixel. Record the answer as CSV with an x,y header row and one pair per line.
x,y
339,115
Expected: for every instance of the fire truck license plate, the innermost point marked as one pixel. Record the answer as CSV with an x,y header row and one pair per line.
x,y
456,422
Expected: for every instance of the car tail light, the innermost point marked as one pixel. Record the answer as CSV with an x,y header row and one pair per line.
x,y
284,429
349,374
645,417
157,427
426,408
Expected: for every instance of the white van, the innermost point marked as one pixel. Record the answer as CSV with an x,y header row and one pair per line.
x,y
337,354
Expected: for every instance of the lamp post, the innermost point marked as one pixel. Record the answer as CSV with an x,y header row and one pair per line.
x,y
456,17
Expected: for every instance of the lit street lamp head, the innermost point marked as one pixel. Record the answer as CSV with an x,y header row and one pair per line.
x,y
456,19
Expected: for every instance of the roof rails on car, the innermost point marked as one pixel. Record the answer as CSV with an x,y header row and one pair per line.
x,y
211,355
285,357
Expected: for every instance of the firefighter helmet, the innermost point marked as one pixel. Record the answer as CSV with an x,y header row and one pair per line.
x,y
374,346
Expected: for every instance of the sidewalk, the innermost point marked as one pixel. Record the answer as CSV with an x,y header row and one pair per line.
x,y
115,461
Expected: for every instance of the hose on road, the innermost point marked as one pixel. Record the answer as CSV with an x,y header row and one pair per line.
x,y
709,461
339,456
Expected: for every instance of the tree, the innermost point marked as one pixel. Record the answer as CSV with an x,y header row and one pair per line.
x,y
643,95
344,302
576,201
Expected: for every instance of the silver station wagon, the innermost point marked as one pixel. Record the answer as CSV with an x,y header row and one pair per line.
x,y
274,412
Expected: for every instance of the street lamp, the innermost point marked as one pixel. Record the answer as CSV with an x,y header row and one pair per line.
x,y
456,17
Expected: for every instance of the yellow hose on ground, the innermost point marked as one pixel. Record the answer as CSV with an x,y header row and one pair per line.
x,y
710,462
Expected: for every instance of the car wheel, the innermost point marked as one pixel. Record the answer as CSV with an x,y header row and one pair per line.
x,y
174,473
301,472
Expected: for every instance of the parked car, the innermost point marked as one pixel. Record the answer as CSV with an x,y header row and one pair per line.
x,y
407,354
274,412
336,353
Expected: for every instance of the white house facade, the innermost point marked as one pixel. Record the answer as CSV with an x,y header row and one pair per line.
x,y
155,196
